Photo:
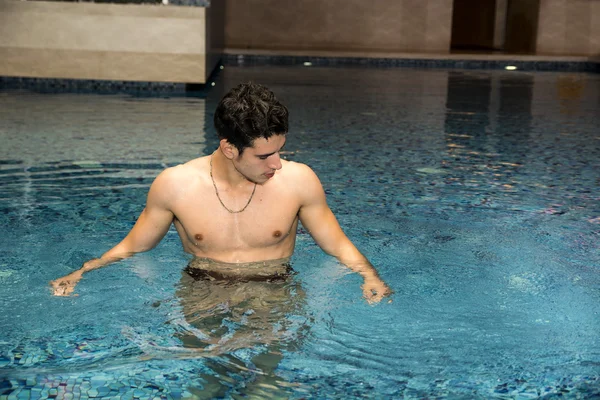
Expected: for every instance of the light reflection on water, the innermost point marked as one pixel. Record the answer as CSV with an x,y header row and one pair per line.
x,y
474,193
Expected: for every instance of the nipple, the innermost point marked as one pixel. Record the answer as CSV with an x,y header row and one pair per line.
x,y
198,237
277,234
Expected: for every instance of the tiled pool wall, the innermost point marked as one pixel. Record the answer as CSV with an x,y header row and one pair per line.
x,y
88,85
386,62
110,86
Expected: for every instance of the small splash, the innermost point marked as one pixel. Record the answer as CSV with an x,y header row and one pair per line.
x,y
427,170
526,283
88,164
554,209
5,273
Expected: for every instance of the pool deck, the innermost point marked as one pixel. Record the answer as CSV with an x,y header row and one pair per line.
x,y
455,59
252,57
454,55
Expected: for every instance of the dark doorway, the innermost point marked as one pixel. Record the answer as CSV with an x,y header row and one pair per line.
x,y
521,26
473,24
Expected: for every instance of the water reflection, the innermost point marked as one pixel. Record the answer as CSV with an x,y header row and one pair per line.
x,y
570,92
222,318
398,152
488,113
488,126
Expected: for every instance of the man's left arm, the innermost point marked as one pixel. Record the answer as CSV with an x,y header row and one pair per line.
x,y
318,219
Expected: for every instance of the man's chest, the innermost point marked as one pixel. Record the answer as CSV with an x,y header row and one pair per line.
x,y
266,222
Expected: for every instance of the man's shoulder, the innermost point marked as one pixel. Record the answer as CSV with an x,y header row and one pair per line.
x,y
172,179
297,170
301,177
177,173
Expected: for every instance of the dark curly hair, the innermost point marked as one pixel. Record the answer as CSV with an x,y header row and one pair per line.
x,y
248,112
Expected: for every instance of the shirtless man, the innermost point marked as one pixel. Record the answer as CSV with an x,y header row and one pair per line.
x,y
240,206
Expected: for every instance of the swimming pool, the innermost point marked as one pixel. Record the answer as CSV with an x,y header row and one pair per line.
x,y
474,193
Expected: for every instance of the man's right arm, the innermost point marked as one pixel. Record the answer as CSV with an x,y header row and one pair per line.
x,y
151,226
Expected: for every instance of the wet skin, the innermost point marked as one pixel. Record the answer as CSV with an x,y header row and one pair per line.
x,y
278,195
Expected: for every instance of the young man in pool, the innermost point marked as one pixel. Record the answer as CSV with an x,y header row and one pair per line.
x,y
237,210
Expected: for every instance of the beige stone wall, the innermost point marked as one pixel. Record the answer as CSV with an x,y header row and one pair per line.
x,y
569,27
339,25
104,41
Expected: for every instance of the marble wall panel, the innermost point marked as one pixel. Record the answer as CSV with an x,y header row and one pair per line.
x,y
339,25
577,40
438,32
595,29
413,17
101,27
106,41
126,66
569,27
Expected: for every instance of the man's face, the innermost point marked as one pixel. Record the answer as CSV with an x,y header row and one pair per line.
x,y
259,162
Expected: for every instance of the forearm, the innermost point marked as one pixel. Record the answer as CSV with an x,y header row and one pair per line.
x,y
115,254
318,219
64,286
96,263
349,255
364,268
374,289
149,229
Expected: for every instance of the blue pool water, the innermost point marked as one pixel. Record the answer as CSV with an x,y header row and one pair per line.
x,y
474,193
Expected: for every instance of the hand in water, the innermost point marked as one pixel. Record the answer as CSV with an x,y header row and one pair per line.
x,y
374,290
64,286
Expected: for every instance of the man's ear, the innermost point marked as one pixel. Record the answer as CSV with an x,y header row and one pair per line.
x,y
228,150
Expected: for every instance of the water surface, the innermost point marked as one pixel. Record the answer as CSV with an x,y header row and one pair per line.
x,y
474,193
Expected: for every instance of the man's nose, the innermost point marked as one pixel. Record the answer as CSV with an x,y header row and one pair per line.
x,y
275,162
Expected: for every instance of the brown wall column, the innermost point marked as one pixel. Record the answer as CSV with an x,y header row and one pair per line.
x,y
339,25
522,26
473,24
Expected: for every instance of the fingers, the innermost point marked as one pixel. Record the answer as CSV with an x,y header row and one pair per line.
x,y
373,296
62,288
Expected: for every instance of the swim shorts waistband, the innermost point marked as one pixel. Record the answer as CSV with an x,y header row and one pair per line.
x,y
201,268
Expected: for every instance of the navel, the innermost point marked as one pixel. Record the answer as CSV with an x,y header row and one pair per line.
x,y
198,237
277,234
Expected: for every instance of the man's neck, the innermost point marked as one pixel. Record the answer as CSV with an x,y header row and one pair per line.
x,y
225,172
